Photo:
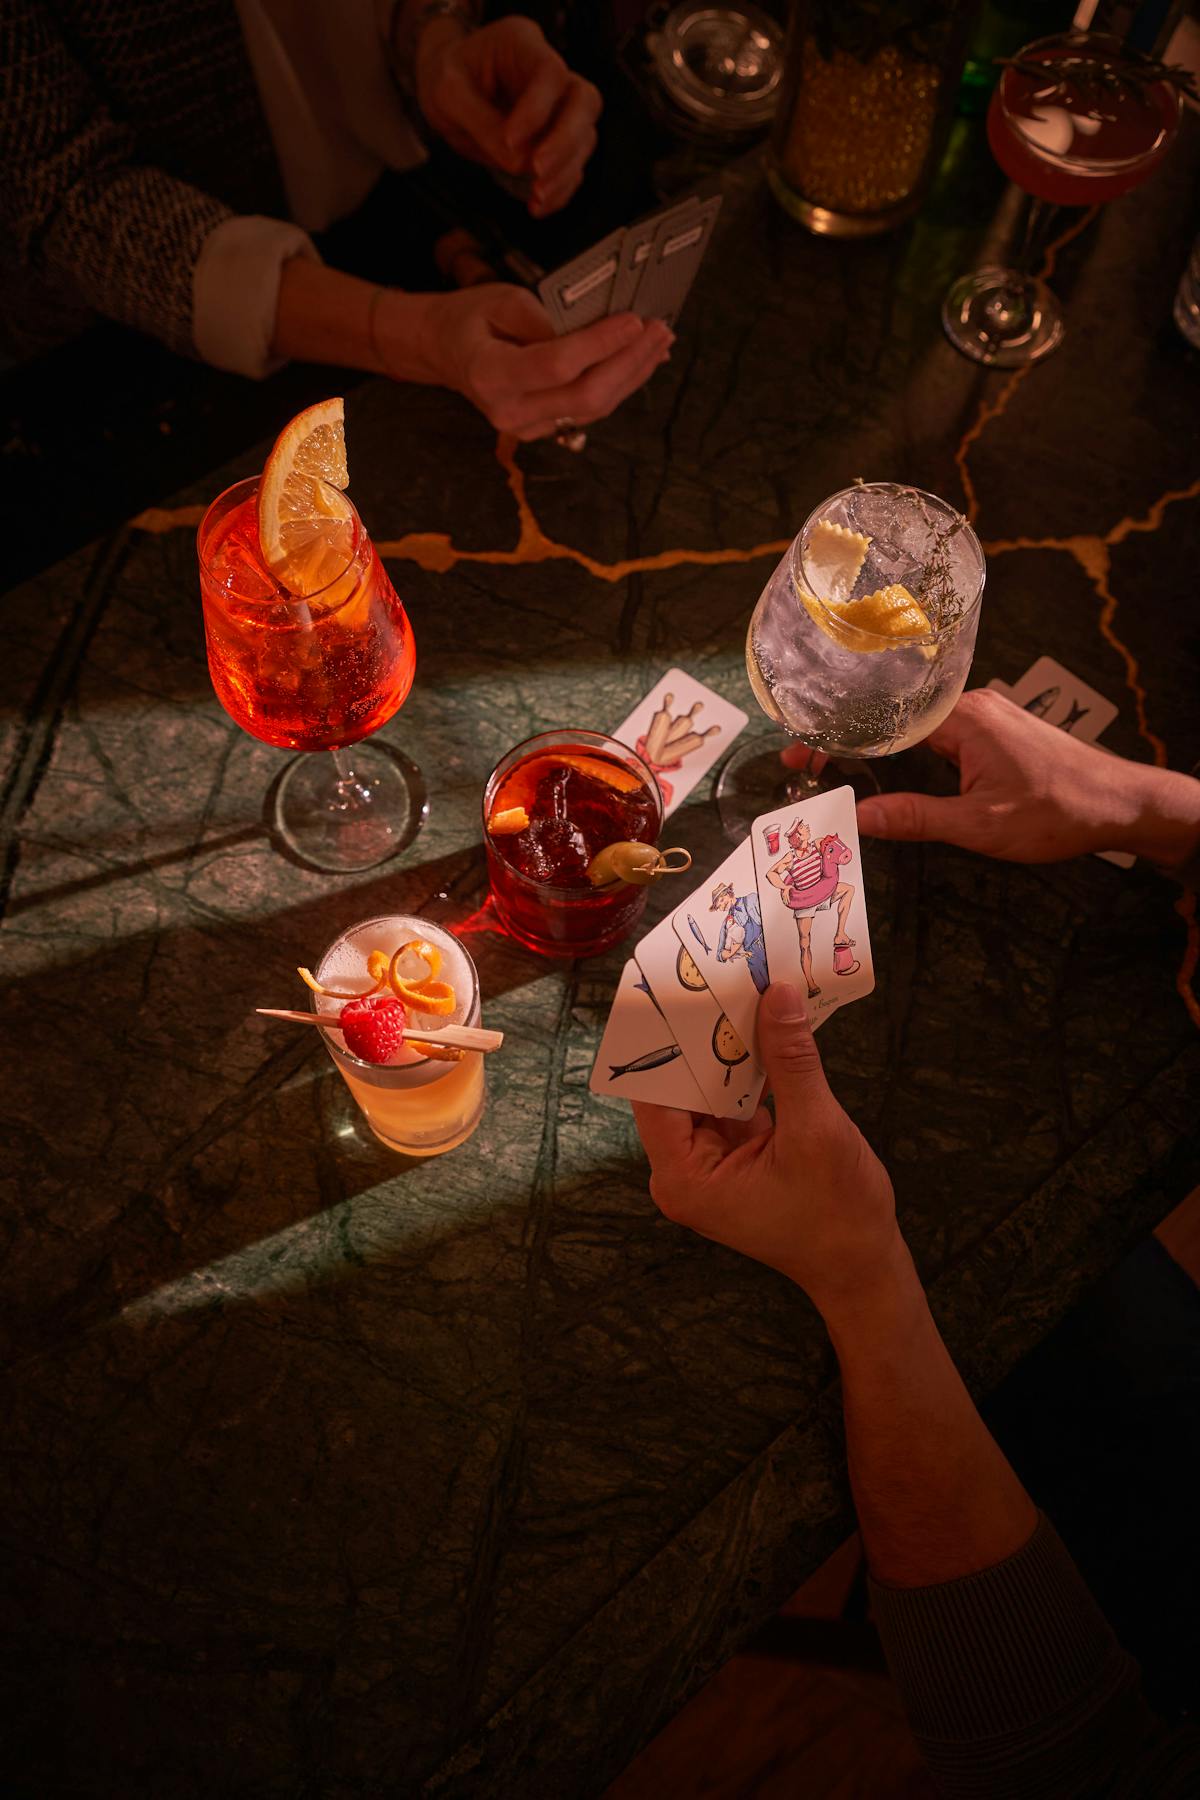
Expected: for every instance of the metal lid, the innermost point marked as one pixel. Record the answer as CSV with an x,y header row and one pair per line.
x,y
721,64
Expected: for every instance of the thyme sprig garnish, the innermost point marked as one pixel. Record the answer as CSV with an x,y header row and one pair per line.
x,y
1092,78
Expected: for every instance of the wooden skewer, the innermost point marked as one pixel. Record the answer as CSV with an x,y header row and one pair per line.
x,y
461,1037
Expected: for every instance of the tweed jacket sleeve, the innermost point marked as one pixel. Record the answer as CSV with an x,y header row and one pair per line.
x,y
77,208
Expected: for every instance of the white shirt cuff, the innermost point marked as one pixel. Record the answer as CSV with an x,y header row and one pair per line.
x,y
235,291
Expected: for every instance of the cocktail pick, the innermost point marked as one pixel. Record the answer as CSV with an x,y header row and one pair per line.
x,y
459,1037
638,864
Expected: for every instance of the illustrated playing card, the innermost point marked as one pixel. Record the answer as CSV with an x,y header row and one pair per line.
x,y
680,729
677,252
638,1058
812,899
1050,692
725,1073
720,925
578,293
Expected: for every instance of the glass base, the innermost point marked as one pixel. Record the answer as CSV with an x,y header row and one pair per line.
x,y
349,810
753,781
826,221
1002,318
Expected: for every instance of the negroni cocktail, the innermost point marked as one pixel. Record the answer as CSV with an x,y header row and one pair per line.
x,y
551,806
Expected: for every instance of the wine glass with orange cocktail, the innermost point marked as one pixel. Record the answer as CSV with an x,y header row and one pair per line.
x,y
309,647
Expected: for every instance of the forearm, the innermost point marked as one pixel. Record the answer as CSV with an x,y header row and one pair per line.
x,y
1166,827
935,1496
323,315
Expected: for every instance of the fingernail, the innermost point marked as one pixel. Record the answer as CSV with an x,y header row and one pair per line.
x,y
786,1003
868,815
631,327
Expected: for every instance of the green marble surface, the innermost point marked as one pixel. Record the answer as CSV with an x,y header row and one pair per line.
x,y
328,1475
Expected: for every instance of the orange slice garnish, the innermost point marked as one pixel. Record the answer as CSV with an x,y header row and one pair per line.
x,y
305,529
508,822
624,780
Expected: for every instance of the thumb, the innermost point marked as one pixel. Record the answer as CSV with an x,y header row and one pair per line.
x,y
914,817
791,1060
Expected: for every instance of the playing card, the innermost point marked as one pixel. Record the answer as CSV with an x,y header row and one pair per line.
x,y
812,899
720,925
1050,692
680,729
730,1081
675,256
638,1058
639,241
578,293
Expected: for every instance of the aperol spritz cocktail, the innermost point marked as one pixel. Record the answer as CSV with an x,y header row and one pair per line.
x,y
311,673
310,649
1075,120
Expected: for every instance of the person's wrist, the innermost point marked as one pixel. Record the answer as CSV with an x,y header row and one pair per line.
x,y
405,341
856,1299
1165,824
435,35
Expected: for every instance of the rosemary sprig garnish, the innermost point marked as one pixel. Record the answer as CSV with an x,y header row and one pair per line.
x,y
1083,77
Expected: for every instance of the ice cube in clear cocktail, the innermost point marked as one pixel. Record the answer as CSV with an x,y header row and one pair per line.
x,y
549,807
862,639
417,1103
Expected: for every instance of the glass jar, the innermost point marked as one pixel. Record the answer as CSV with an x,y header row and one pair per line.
x,y
869,90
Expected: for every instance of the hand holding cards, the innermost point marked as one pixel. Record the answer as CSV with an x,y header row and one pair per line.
x,y
789,904
647,269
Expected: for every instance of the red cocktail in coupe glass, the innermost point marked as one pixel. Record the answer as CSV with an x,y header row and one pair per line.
x,y
1075,120
309,647
577,792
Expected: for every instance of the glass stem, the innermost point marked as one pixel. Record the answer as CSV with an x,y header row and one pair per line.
x,y
351,791
1039,218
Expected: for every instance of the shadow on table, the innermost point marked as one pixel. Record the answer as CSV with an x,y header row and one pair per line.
x,y
192,1130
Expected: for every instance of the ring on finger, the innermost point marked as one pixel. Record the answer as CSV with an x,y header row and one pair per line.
x,y
570,435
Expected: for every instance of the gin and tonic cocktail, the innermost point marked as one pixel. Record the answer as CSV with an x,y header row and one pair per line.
x,y
862,639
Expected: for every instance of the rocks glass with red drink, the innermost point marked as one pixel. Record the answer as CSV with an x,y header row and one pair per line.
x,y
550,806
1075,120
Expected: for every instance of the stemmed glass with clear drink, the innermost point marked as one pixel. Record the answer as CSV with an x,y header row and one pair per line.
x,y
861,641
309,648
1074,120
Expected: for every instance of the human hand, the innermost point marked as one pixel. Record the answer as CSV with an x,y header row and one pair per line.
x,y
1028,791
804,1194
495,344
502,96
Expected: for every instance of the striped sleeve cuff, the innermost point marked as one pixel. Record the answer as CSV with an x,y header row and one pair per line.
x,y
1012,1680
235,291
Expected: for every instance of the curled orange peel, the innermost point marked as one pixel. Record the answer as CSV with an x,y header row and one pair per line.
x,y
425,995
310,980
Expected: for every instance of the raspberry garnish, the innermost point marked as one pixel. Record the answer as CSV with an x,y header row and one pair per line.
x,y
373,1027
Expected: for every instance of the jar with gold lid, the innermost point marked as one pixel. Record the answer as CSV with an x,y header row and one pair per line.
x,y
869,90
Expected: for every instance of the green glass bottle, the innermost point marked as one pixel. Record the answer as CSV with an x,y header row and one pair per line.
x,y
1000,30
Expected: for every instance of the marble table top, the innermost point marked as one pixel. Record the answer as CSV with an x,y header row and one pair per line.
x,y
330,1475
